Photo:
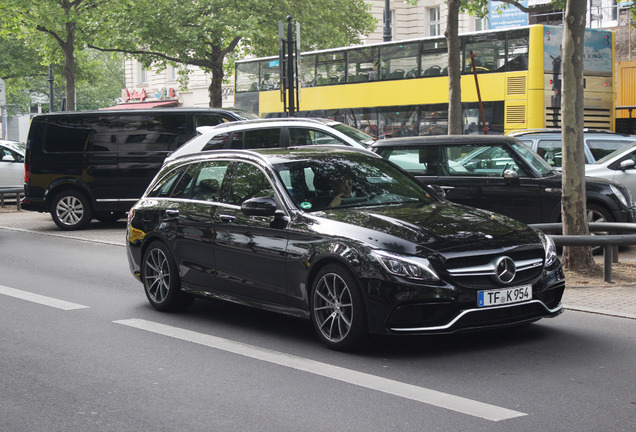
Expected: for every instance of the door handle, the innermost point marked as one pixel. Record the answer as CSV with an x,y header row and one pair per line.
x,y
227,218
171,213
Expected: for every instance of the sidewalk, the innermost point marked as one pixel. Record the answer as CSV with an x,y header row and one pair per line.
x,y
607,299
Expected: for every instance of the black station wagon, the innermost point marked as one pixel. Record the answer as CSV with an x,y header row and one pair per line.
x,y
500,174
338,236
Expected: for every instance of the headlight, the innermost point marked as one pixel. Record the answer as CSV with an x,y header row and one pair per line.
x,y
406,266
620,195
549,247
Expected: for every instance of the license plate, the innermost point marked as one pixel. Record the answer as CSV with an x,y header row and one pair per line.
x,y
504,296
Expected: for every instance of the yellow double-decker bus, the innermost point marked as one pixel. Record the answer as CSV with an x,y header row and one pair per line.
x,y
401,88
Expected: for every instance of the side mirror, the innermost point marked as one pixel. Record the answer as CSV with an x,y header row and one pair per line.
x,y
626,164
8,158
437,190
510,174
261,206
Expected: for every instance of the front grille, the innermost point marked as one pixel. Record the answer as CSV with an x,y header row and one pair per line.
x,y
479,271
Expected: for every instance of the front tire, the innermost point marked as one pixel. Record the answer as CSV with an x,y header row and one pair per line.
x,y
161,280
337,309
71,210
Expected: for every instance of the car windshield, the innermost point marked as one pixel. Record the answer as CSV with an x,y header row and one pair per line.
x,y
355,134
615,153
356,180
534,159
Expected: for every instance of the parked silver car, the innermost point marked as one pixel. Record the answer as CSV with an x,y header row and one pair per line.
x,y
548,142
618,166
271,133
11,164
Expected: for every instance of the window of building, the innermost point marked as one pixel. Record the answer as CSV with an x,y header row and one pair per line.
x,y
143,75
434,21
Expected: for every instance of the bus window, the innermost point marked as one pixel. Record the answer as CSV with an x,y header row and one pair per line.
x,y
362,64
330,68
399,61
398,121
517,51
434,58
308,70
247,77
489,50
270,75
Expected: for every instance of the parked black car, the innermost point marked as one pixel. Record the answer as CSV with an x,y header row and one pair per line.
x,y
500,174
339,236
86,164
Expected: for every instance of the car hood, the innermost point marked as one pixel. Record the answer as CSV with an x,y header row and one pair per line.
x,y
440,227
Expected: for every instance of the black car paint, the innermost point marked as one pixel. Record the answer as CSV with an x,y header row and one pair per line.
x,y
270,262
534,199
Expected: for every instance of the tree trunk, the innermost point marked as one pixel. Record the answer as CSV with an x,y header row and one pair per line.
x,y
216,86
454,69
69,66
574,212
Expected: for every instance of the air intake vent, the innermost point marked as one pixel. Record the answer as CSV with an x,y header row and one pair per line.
x,y
515,114
516,85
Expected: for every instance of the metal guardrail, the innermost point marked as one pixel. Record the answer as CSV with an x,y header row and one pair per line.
x,y
18,192
609,242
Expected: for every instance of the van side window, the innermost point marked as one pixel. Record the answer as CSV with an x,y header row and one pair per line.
x,y
154,132
75,134
210,119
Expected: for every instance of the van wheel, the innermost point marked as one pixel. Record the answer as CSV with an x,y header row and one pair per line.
x,y
71,210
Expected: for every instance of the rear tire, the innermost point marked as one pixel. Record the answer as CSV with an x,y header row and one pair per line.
x,y
161,280
71,210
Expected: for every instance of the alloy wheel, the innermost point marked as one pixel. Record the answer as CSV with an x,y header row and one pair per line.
x,y
333,307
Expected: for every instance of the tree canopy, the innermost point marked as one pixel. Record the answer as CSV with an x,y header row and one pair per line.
x,y
211,34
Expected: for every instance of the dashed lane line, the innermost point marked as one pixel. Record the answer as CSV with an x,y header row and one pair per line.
x,y
408,391
40,299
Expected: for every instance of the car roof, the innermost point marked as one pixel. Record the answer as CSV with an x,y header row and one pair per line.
x,y
296,121
13,145
551,132
146,111
276,154
443,139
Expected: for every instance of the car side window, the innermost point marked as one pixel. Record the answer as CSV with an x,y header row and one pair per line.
x,y
407,159
304,136
185,184
481,161
217,142
164,186
257,138
602,147
245,181
207,186
551,151
209,119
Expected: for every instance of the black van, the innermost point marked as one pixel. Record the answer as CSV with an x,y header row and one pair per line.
x,y
86,164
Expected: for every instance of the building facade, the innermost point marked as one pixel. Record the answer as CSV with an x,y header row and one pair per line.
x,y
427,18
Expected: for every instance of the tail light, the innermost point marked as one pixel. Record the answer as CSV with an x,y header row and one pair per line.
x,y
26,173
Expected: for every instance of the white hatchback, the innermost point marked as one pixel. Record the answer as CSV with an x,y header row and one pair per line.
x,y
274,132
11,164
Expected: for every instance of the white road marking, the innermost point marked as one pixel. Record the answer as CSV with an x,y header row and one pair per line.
x,y
419,394
40,299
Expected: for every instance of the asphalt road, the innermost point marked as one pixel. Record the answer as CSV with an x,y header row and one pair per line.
x,y
81,350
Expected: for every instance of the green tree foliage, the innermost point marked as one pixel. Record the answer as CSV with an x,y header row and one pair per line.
x,y
51,28
99,78
211,34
